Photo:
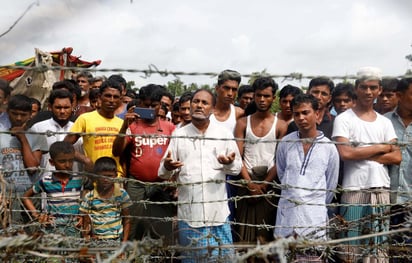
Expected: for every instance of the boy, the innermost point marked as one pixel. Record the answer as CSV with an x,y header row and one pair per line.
x,y
105,208
63,192
20,153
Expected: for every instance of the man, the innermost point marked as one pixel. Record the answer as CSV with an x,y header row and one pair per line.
x,y
200,166
308,164
387,100
122,107
84,79
321,88
20,153
60,105
144,155
343,97
5,91
103,121
401,180
244,96
365,178
260,126
285,116
225,113
184,109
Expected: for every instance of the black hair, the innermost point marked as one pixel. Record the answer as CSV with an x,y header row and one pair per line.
x,y
389,84
404,84
70,85
167,93
289,90
244,89
110,84
19,102
153,92
60,94
264,82
187,96
228,74
344,89
105,164
60,147
94,94
305,98
319,81
35,101
119,79
134,102
175,106
208,91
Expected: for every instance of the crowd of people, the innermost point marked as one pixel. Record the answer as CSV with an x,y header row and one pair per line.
x,y
103,162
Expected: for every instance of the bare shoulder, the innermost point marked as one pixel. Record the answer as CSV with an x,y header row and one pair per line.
x,y
239,112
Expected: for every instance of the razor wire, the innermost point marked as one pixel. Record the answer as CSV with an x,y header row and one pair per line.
x,y
26,246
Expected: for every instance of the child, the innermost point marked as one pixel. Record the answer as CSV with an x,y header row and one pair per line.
x,y
105,208
62,189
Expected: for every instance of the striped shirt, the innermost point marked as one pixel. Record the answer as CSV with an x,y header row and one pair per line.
x,y
62,198
105,214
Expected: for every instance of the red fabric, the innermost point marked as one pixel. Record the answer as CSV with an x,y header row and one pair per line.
x,y
146,152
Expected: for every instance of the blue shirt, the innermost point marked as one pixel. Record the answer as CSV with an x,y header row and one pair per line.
x,y
401,175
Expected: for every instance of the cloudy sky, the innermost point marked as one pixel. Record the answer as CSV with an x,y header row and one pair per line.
x,y
313,37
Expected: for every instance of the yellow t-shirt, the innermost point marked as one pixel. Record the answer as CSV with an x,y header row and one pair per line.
x,y
96,146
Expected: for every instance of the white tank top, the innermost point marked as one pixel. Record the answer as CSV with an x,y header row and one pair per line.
x,y
230,122
262,153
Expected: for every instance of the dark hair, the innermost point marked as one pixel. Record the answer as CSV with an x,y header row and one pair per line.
x,y
134,102
153,92
167,93
404,84
5,87
344,89
187,96
85,74
208,91
19,102
244,89
105,164
389,84
60,147
94,94
289,90
228,74
175,106
305,98
131,93
35,101
60,94
119,79
319,81
70,85
110,84
264,82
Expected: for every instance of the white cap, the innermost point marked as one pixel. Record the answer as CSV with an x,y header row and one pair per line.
x,y
369,73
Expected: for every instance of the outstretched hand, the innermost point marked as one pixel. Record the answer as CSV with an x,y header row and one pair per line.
x,y
226,159
170,164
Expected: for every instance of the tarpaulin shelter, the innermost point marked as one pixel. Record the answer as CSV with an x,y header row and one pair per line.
x,y
36,82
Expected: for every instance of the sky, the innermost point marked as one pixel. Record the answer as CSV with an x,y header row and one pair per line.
x,y
312,37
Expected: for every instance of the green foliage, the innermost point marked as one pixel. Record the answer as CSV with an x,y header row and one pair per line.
x,y
130,85
177,87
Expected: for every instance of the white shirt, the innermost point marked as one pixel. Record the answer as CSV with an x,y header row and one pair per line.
x,y
53,126
202,199
364,174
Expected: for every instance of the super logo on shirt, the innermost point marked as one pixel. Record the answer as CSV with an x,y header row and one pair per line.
x,y
151,142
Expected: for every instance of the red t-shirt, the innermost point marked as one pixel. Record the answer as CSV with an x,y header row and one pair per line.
x,y
146,152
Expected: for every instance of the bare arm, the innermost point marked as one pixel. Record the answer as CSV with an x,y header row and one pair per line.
x,y
120,142
30,158
348,152
28,203
392,157
126,223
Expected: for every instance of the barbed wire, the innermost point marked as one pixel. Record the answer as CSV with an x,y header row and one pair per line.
x,y
153,69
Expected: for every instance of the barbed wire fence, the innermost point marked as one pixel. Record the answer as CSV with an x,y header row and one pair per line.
x,y
37,245
18,245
